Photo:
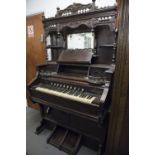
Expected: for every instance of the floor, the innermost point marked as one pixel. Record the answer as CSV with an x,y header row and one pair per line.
x,y
36,144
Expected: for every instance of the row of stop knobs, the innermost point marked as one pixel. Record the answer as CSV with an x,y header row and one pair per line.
x,y
60,85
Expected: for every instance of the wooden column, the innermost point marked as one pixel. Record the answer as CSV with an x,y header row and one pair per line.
x,y
118,131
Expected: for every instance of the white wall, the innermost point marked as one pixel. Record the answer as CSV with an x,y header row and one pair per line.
x,y
49,6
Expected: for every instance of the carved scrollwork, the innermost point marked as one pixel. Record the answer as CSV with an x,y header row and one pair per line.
x,y
91,23
75,8
101,17
106,20
75,24
50,28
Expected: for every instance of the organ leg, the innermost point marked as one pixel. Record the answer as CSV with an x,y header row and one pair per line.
x,y
100,149
40,128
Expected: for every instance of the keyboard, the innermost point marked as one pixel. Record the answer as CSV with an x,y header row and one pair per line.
x,y
67,91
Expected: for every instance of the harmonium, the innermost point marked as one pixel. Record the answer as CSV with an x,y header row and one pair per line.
x,y
73,88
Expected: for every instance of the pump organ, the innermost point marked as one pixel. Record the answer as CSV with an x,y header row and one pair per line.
x,y
74,87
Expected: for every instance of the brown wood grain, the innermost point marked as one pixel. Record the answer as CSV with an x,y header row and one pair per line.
x,y
35,50
118,132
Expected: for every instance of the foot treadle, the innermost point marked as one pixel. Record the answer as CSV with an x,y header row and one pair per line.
x,y
65,140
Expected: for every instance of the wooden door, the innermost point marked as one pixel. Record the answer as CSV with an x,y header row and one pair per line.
x,y
35,50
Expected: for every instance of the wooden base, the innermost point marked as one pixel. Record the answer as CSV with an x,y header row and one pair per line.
x,y
67,140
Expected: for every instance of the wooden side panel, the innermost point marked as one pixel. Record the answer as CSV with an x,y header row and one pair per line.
x,y
35,50
118,132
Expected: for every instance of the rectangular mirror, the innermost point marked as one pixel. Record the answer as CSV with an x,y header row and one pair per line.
x,y
49,54
48,40
80,40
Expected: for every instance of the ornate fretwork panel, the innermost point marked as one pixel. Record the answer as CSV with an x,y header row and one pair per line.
x,y
81,18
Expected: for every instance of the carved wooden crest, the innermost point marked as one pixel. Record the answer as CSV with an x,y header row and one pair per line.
x,y
78,14
75,8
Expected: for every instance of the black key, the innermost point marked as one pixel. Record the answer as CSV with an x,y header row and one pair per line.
x,y
71,92
62,89
65,91
84,94
76,93
90,97
59,89
81,94
68,91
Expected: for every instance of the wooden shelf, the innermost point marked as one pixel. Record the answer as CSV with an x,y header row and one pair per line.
x,y
52,62
94,56
106,45
103,65
54,47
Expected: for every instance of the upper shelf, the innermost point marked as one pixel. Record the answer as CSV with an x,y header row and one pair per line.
x,y
54,47
107,45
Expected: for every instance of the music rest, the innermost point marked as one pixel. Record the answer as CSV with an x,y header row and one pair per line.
x,y
83,56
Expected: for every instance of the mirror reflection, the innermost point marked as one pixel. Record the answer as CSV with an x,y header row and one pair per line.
x,y
48,40
80,40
